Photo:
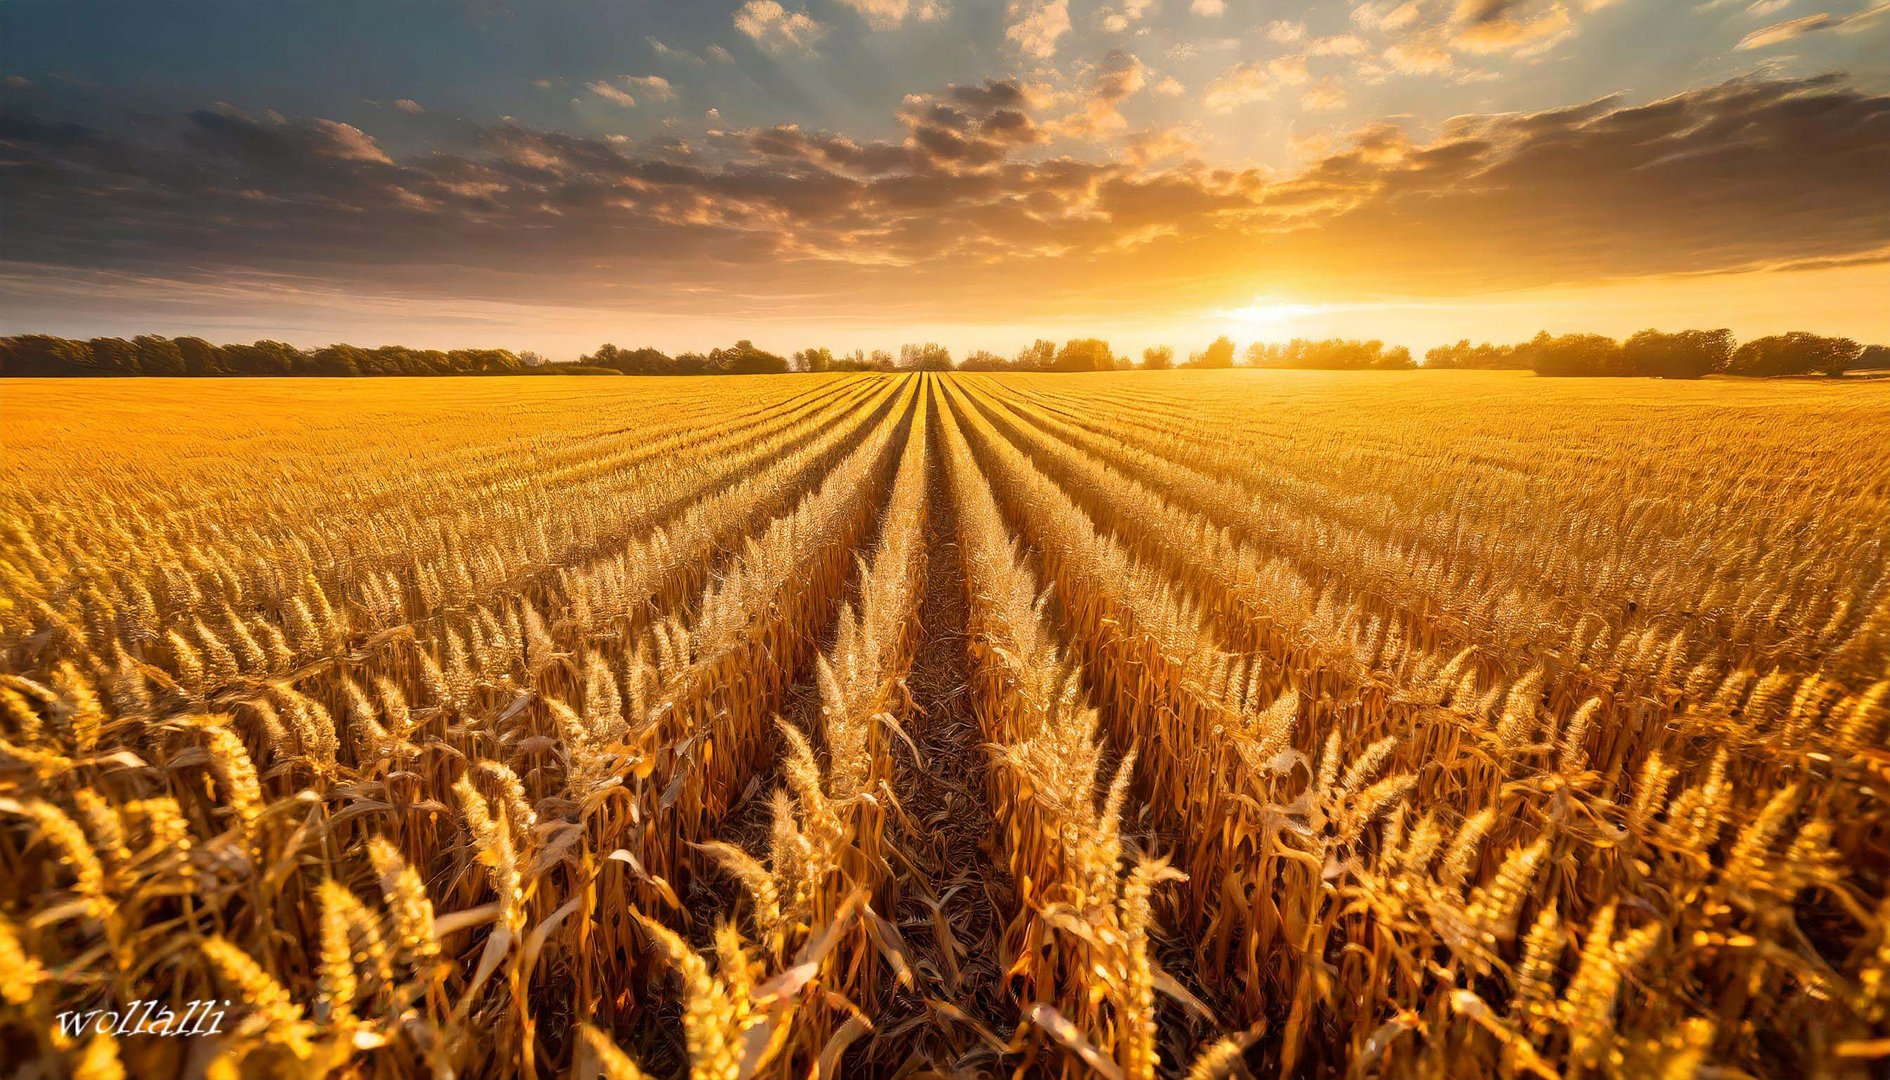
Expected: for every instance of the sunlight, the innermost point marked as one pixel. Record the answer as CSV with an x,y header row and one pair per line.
x,y
1267,314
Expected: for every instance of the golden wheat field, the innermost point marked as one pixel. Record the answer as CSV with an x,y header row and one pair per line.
x,y
1122,725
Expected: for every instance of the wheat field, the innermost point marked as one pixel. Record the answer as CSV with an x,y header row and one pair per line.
x,y
1122,725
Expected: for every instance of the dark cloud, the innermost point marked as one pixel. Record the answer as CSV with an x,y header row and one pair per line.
x,y
272,141
1120,75
994,94
972,128
1746,174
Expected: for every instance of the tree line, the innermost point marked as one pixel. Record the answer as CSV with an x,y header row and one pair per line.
x,y
1689,354
43,355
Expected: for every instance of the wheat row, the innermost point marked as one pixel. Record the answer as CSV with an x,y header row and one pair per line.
x,y
1330,726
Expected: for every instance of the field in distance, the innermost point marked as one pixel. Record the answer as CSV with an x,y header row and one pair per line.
x,y
1123,725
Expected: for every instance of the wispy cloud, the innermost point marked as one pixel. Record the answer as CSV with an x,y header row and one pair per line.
x,y
1327,95
777,29
1239,85
1779,33
611,94
671,53
1283,32
889,14
655,87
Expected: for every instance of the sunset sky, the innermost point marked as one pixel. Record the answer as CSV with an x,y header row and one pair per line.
x,y
857,173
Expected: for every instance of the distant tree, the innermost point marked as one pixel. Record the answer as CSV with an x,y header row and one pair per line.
x,y
41,355
1158,357
262,358
200,357
1218,354
1574,354
1336,354
193,356
742,358
879,360
158,356
1796,353
694,363
813,360
483,361
929,356
1478,357
1873,358
1039,355
340,360
644,361
531,359
984,360
1084,354
113,356
1689,354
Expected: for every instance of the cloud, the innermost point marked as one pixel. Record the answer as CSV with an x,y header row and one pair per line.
x,y
1327,95
611,94
961,213
349,142
1337,45
409,106
1420,56
1423,35
1390,16
1035,25
1120,76
1282,32
1811,24
991,95
272,140
967,128
671,52
1239,85
777,29
889,14
1119,21
1289,70
1210,8
1492,26
655,87
1145,148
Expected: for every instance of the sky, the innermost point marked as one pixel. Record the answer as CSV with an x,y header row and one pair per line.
x,y
861,173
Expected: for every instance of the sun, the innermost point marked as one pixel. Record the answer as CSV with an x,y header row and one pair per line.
x,y
1269,314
